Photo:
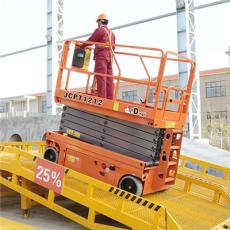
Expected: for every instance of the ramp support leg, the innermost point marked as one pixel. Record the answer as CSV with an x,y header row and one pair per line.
x,y
26,202
91,216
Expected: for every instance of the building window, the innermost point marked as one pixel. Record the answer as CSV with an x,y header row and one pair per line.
x,y
215,89
2,108
217,115
209,116
43,106
129,95
151,96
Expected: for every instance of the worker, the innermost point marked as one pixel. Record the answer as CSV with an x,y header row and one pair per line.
x,y
103,57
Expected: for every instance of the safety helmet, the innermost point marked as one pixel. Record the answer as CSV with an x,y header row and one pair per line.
x,y
102,17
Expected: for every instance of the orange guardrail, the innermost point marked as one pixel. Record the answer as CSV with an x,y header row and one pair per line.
x,y
168,106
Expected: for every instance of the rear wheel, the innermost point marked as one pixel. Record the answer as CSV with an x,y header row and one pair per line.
x,y
51,154
131,184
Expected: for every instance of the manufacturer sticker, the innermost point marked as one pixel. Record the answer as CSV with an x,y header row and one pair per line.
x,y
135,111
73,133
116,106
72,158
170,124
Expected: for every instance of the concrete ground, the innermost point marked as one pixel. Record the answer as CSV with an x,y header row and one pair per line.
x,y
43,218
205,152
39,216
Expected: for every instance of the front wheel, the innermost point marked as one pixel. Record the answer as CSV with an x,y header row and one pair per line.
x,y
131,184
51,154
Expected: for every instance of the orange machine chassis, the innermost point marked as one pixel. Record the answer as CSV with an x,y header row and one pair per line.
x,y
111,167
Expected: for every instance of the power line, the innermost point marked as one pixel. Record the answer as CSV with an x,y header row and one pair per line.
x,y
210,4
131,24
22,51
119,27
155,18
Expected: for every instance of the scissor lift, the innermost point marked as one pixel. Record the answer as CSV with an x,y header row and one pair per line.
x,y
132,145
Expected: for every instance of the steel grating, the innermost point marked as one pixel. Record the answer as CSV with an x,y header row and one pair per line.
x,y
190,211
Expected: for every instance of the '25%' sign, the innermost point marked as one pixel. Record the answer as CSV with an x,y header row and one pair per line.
x,y
49,175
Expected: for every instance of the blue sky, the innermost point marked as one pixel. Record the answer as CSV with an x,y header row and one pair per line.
x,y
23,24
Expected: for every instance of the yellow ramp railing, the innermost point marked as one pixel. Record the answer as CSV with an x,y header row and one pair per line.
x,y
205,166
130,210
37,146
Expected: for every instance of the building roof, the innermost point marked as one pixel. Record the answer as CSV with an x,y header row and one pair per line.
x,y
214,72
39,94
23,97
174,77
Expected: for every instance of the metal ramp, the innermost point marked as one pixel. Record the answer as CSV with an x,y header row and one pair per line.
x,y
193,203
18,173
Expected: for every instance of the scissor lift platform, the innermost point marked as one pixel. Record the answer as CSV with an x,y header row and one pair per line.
x,y
196,201
166,108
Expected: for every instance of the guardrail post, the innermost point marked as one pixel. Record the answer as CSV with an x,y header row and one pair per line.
x,y
182,163
204,167
157,216
187,186
51,196
89,191
170,222
91,215
15,179
41,148
226,176
216,197
121,204
25,148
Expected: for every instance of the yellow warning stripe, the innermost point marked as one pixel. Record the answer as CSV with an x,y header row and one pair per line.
x,y
135,199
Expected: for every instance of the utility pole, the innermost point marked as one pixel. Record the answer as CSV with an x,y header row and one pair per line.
x,y
187,46
228,53
54,36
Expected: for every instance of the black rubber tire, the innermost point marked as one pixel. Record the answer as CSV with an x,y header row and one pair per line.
x,y
51,154
131,184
